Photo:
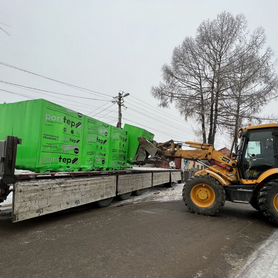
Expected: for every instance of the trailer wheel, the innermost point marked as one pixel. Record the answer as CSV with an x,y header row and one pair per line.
x,y
124,196
139,192
268,201
104,203
203,195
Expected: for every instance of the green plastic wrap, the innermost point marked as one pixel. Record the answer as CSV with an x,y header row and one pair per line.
x,y
51,135
134,133
57,139
118,149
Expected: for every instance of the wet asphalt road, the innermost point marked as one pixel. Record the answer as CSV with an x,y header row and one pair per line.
x,y
148,239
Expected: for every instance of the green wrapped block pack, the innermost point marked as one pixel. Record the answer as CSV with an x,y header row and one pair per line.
x,y
57,139
134,133
51,135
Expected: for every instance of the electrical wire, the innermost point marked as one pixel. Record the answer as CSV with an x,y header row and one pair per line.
x,y
14,93
102,110
64,100
148,127
108,113
98,108
48,91
55,80
164,112
158,122
4,31
158,117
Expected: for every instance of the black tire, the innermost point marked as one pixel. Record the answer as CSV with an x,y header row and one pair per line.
x,y
214,185
268,194
139,192
254,202
104,203
124,196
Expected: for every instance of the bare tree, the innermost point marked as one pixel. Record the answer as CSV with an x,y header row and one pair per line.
x,y
202,79
252,81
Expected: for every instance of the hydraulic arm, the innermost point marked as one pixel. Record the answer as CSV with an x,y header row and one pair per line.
x,y
170,149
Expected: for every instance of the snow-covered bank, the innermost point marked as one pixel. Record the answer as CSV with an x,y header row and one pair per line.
x,y
263,263
157,194
8,201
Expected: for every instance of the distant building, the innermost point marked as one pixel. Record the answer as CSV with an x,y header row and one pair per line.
x,y
225,151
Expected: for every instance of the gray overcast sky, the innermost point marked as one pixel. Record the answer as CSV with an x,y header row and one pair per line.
x,y
110,46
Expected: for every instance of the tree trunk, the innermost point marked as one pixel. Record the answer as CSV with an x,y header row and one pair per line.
x,y
203,118
211,120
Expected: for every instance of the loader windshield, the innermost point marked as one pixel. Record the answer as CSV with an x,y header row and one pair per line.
x,y
259,153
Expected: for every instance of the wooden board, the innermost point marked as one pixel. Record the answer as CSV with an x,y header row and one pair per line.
x,y
133,182
175,176
40,197
161,178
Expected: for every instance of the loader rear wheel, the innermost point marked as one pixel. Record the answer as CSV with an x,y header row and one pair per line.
x,y
268,201
203,195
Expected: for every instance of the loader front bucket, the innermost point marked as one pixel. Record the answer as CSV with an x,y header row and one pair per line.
x,y
146,150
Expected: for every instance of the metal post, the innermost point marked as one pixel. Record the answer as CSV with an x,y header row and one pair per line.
x,y
120,101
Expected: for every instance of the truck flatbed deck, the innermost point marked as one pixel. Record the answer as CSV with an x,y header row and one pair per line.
x,y
36,194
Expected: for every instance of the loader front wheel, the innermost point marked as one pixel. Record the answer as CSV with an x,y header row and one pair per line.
x,y
268,201
203,195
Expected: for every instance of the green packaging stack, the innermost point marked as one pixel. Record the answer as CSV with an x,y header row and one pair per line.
x,y
134,133
95,150
101,156
118,149
51,135
57,139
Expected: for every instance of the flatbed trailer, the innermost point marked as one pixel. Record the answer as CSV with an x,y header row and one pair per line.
x,y
40,194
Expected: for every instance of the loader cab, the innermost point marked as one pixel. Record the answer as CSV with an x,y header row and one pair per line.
x,y
258,150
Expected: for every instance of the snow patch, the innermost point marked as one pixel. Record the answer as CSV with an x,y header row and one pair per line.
x,y
264,261
8,201
156,194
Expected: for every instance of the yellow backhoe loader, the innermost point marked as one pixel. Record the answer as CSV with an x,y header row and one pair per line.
x,y
251,175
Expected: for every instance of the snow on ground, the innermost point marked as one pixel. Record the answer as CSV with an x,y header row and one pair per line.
x,y
263,263
21,172
157,194
8,201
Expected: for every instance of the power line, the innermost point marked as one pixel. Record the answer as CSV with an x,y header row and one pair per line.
x,y
78,105
110,112
98,108
153,108
55,80
28,97
164,114
148,116
13,93
159,115
66,101
148,127
49,92
4,30
102,110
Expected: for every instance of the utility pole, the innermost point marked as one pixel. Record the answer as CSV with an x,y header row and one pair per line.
x,y
120,102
